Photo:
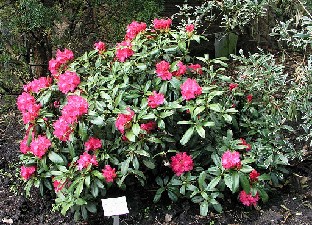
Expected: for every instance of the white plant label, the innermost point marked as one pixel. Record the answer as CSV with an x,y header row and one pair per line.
x,y
310,63
115,206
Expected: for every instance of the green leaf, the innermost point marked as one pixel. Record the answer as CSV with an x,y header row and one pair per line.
x,y
201,131
166,114
130,135
149,116
80,201
163,88
97,121
149,164
136,129
264,177
159,181
79,189
87,181
263,195
228,180
212,94
235,179
227,118
55,158
158,194
201,180
97,174
208,124
91,207
94,190
204,208
244,181
125,166
141,66
214,182
187,136
172,195
215,107
246,169
83,131
198,110
185,122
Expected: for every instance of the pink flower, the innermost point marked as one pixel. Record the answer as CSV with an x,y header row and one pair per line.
x,y
162,70
189,28
248,146
181,163
149,126
58,186
85,160
100,46
232,86
24,101
181,70
249,98
68,81
109,173
93,144
65,56
190,89
155,99
162,24
27,172
248,199
76,106
231,160
123,119
31,113
253,176
37,84
54,66
124,50
134,28
23,145
39,146
62,129
196,68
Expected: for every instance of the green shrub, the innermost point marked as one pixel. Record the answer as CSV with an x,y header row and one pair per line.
x,y
146,110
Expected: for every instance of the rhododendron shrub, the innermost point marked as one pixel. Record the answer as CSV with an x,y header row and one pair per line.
x,y
142,108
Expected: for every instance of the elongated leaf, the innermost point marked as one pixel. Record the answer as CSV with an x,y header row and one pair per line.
x,y
214,182
215,107
158,194
244,182
79,189
201,131
204,208
228,181
187,136
136,129
235,178
56,158
198,110
130,135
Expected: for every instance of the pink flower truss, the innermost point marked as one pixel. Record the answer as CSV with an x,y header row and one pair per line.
x,y
232,86
54,66
155,99
93,144
76,106
68,81
181,163
162,24
149,126
248,146
124,51
196,68
85,160
253,176
249,98
109,173
181,70
189,28
38,84
100,46
190,89
39,146
62,129
248,199
134,28
65,56
23,145
123,119
27,172
24,100
162,70
231,160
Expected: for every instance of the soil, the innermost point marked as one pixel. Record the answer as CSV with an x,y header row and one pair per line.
x,y
289,204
